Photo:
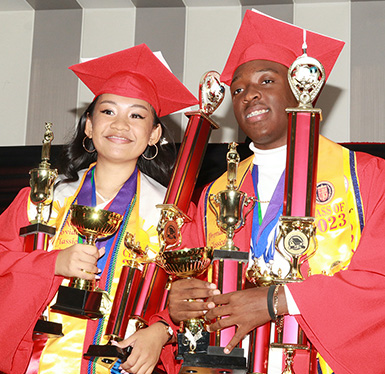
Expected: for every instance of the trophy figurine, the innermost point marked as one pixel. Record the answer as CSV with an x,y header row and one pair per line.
x,y
129,285
37,234
82,298
231,202
186,263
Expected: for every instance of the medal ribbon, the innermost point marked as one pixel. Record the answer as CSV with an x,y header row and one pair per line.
x,y
260,243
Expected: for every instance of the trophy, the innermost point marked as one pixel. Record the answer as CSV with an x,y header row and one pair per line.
x,y
187,263
123,308
231,202
296,240
37,234
82,298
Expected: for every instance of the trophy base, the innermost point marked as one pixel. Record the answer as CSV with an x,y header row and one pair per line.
x,y
36,228
47,329
202,345
79,303
214,362
107,355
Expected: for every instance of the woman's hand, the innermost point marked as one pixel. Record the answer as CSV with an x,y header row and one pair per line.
x,y
79,260
186,299
146,346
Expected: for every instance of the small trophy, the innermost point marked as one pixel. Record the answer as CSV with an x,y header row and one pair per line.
x,y
37,234
130,282
186,263
231,202
297,229
82,298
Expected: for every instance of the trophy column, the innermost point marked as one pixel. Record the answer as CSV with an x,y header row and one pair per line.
x,y
37,234
193,340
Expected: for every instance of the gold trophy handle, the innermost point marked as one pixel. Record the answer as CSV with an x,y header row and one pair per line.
x,y
250,199
215,198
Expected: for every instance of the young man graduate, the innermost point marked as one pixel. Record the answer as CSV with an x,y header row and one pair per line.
x,y
340,307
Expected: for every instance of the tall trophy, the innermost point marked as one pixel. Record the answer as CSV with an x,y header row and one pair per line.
x,y
231,207
296,240
37,234
131,304
82,298
193,340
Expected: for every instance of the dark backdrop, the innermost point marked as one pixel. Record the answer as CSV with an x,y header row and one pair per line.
x,y
15,163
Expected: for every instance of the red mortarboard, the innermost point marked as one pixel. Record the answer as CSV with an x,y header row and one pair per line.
x,y
136,72
262,37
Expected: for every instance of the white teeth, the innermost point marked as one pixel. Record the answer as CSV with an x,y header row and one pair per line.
x,y
117,137
257,112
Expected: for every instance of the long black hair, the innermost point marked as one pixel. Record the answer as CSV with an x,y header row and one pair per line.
x,y
74,157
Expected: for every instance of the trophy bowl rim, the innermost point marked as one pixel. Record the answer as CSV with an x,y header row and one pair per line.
x,y
186,265
106,227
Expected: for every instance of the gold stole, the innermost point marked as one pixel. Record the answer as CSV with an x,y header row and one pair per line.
x,y
66,352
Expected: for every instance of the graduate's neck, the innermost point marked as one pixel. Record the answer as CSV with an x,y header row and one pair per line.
x,y
110,178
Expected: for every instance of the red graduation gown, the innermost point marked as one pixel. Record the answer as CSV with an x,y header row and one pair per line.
x,y
27,284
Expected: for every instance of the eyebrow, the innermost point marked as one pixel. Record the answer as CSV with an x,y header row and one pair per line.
x,y
256,71
132,106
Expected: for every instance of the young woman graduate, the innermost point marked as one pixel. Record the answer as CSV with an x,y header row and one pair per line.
x,y
111,163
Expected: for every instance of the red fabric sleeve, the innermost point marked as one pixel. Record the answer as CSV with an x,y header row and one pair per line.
x,y
167,357
344,315
27,285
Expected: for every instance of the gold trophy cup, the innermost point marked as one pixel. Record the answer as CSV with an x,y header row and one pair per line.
x,y
231,202
186,263
82,298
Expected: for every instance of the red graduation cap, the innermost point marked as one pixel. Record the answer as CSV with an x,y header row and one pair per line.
x,y
262,37
136,72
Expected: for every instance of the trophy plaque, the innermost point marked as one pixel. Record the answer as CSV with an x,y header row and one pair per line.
x,y
296,240
37,234
82,298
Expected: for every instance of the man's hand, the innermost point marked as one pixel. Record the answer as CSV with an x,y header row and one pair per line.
x,y
79,260
195,290
245,309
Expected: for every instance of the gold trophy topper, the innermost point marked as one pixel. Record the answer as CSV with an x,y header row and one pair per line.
x,y
42,178
211,92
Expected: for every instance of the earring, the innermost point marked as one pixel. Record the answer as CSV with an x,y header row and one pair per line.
x,y
151,158
84,145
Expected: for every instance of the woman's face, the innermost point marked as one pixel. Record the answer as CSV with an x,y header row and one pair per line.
x,y
121,128
260,92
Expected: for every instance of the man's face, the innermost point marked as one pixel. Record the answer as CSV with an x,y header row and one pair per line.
x,y
261,93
